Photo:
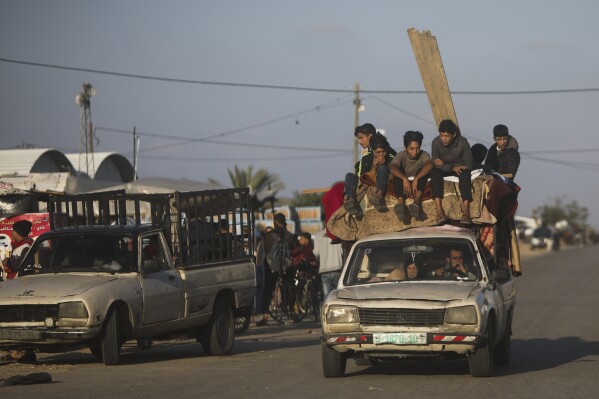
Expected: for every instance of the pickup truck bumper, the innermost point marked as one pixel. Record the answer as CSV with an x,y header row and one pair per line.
x,y
402,344
16,337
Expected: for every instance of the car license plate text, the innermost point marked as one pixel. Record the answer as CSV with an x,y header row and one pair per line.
x,y
20,334
399,338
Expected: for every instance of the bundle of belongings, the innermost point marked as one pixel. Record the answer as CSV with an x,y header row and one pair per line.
x,y
494,203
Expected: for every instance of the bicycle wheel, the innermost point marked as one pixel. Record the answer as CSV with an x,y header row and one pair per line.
x,y
275,308
302,301
315,301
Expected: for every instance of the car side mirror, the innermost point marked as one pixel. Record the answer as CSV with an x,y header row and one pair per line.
x,y
501,275
149,266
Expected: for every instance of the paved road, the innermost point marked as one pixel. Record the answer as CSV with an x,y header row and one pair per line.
x,y
555,355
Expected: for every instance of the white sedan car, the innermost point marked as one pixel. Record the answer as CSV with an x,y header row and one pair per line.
x,y
385,310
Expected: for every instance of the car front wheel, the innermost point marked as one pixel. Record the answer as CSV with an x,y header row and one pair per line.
x,y
333,362
481,361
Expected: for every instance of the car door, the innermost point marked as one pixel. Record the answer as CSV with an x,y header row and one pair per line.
x,y
160,282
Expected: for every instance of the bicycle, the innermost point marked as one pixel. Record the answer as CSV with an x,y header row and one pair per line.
x,y
308,292
283,303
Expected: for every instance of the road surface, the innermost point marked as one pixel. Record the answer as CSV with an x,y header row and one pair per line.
x,y
555,355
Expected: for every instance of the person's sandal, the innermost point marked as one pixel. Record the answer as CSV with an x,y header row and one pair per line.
x,y
466,220
415,210
378,203
400,211
352,207
441,220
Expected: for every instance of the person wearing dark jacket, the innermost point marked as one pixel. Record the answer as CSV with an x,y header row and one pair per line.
x,y
365,134
503,156
279,232
451,157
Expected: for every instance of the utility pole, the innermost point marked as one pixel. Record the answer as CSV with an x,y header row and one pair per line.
x,y
357,104
135,150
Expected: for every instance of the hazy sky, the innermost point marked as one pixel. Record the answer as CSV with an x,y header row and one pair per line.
x,y
485,46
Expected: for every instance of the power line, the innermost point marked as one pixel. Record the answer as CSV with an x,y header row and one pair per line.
x,y
337,102
284,87
237,144
203,159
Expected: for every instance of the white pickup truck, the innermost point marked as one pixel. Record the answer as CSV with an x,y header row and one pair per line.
x,y
91,283
400,297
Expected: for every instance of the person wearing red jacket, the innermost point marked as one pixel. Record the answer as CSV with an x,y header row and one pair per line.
x,y
20,243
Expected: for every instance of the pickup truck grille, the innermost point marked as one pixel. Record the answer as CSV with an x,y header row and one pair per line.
x,y
19,313
401,317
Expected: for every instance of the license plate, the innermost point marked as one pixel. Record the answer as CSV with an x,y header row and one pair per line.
x,y
20,334
399,338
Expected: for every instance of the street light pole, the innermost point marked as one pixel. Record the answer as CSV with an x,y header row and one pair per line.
x,y
357,104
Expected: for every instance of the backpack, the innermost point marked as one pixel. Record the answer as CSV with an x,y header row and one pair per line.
x,y
279,256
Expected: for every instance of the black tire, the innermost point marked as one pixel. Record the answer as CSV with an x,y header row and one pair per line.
x,y
302,303
333,362
275,308
218,336
144,343
111,341
481,361
316,299
96,350
242,323
503,350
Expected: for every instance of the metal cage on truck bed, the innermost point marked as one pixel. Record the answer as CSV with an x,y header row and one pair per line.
x,y
200,226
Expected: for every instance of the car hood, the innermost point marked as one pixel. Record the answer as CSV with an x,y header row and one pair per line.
x,y
409,290
51,285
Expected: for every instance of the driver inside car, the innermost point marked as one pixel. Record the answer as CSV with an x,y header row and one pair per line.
x,y
455,266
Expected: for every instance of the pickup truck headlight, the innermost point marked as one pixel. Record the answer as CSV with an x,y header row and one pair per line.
x,y
72,310
342,314
461,315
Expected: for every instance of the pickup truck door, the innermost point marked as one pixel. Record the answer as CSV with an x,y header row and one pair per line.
x,y
161,283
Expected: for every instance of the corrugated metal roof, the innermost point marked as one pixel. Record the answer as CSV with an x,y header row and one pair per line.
x,y
105,163
18,162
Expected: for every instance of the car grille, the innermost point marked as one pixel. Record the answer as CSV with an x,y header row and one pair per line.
x,y
401,317
19,313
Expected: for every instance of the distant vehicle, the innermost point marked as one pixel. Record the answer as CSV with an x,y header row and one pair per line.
x,y
540,237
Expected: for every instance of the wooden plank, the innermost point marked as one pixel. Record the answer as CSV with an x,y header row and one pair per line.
x,y
449,110
428,58
420,53
437,94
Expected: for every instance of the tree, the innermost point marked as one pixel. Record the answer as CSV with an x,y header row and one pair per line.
x,y
260,181
263,184
301,199
562,210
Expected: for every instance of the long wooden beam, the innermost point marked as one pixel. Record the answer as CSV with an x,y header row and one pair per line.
x,y
431,69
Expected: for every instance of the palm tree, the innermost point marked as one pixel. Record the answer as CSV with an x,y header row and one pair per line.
x,y
263,184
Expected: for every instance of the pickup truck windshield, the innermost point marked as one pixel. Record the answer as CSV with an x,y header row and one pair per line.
x,y
412,260
110,253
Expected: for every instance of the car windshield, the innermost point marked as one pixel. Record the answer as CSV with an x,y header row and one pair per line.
x,y
412,260
110,253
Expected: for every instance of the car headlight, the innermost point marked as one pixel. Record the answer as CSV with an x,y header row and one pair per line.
x,y
72,310
342,314
461,315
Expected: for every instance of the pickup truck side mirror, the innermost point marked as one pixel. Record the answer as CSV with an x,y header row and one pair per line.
x,y
501,275
149,266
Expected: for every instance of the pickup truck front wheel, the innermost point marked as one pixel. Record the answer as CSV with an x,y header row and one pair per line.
x,y
481,361
111,342
217,337
333,362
